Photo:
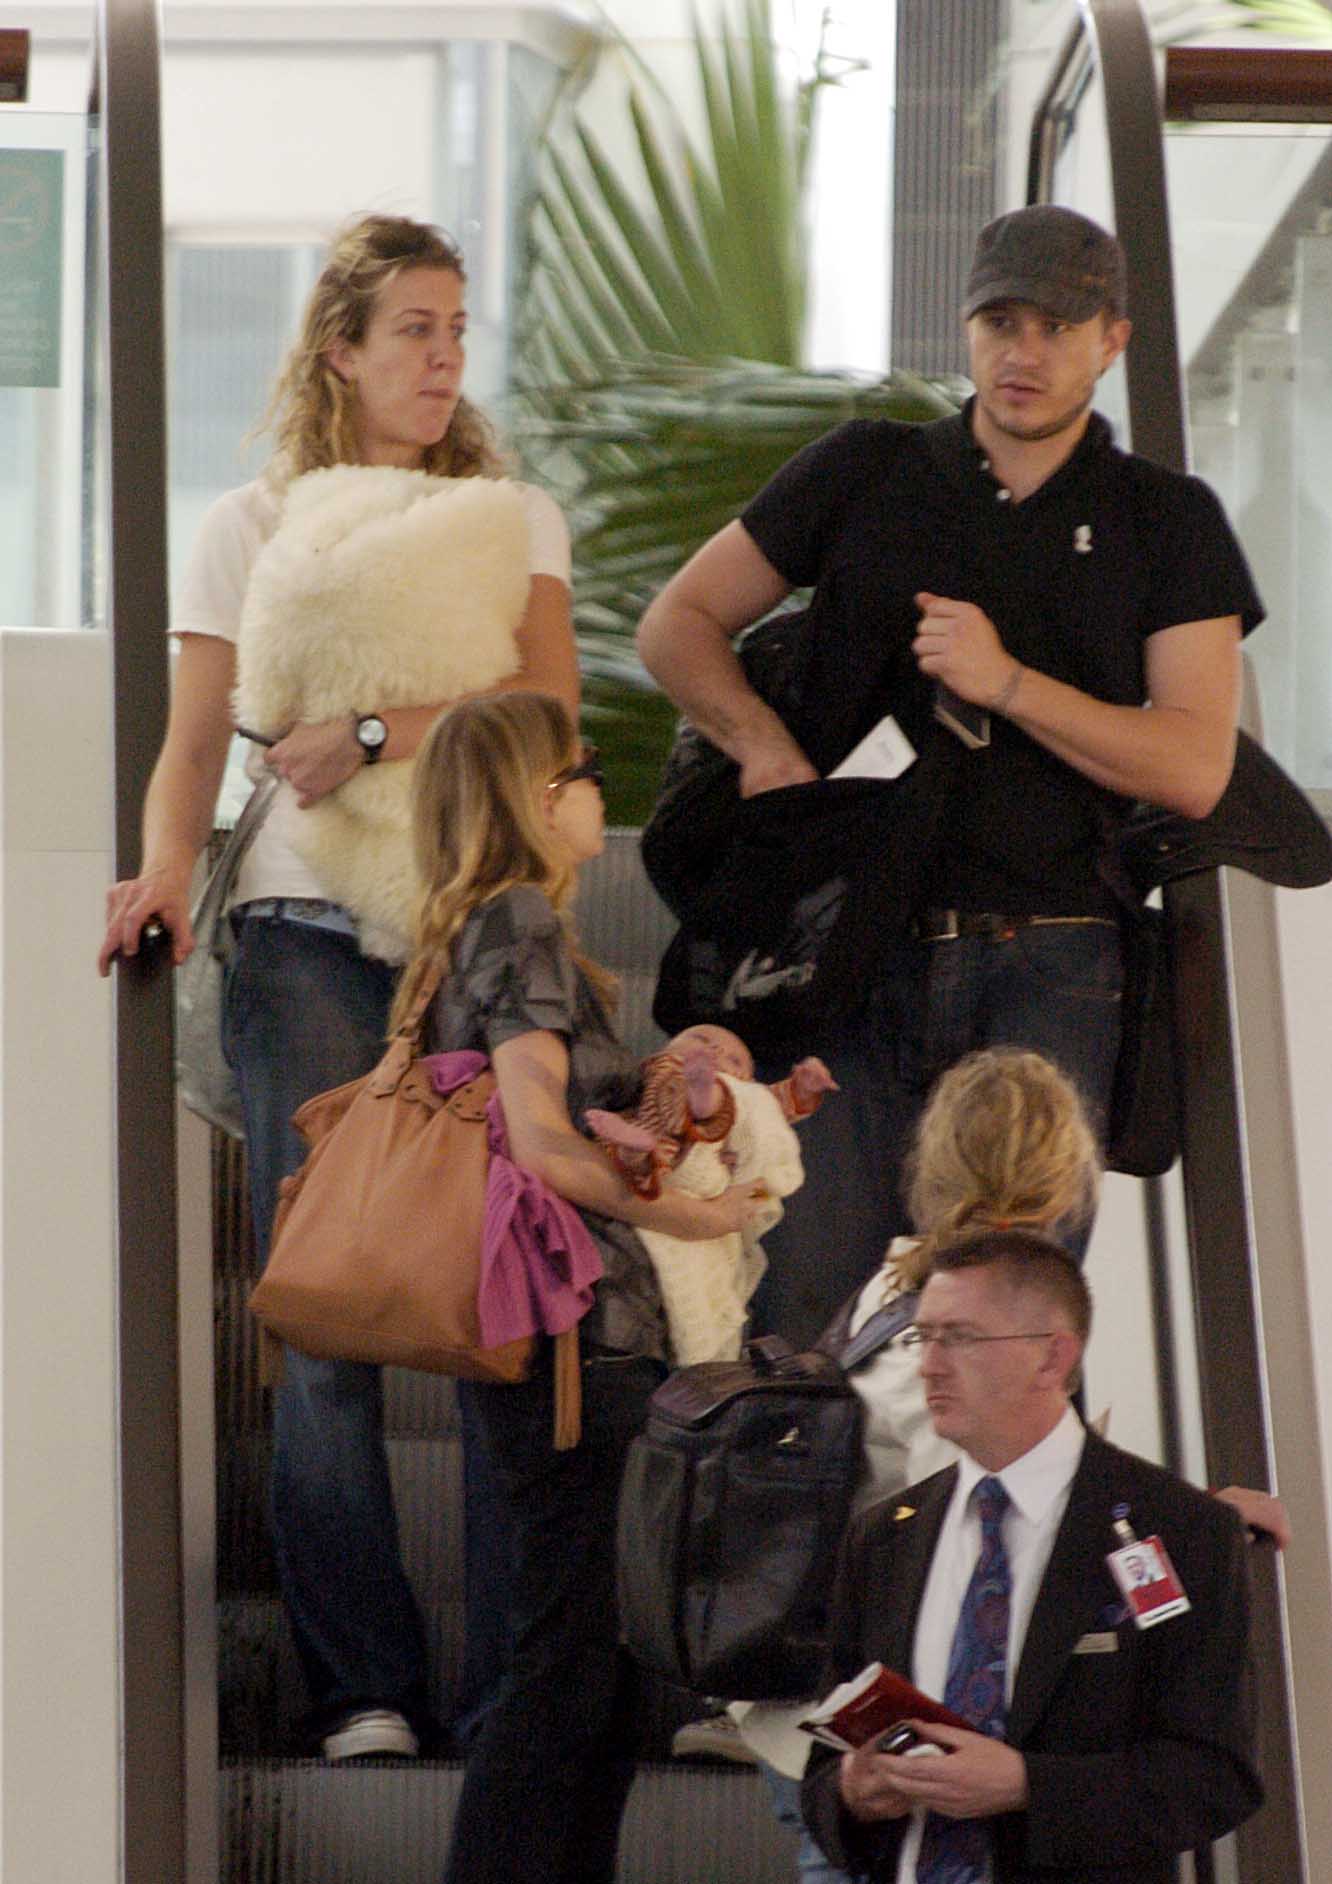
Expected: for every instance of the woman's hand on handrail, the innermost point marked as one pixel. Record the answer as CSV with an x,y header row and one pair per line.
x,y
1264,1514
178,808
158,894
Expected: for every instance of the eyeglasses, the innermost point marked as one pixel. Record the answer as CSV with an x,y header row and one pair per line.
x,y
958,1340
589,766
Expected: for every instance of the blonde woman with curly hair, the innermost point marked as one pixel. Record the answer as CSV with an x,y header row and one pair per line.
x,y
507,806
374,381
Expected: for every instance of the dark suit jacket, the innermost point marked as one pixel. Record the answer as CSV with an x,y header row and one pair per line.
x,y
1133,1753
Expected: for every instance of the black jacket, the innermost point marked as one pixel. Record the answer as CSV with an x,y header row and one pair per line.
x,y
1134,1754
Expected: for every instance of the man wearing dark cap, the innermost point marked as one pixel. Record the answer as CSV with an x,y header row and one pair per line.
x,y
1053,624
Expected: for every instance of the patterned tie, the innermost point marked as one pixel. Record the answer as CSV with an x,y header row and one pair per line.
x,y
956,1851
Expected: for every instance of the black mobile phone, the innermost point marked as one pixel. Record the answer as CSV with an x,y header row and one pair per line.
x,y
899,1739
965,720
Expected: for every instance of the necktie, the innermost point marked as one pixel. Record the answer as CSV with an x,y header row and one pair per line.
x,y
956,1851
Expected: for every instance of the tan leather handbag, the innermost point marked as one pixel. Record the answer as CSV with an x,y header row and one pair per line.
x,y
376,1249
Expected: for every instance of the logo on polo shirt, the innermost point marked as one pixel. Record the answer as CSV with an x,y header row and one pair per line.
x,y
1082,539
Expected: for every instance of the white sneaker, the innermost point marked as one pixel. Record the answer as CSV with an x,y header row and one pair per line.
x,y
374,1731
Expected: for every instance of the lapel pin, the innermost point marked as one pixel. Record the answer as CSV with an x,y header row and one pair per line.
x,y
904,1511
1082,539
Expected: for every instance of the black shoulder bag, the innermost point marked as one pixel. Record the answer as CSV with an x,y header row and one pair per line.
x,y
1264,824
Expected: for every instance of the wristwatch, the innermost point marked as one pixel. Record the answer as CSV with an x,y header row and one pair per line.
x,y
371,733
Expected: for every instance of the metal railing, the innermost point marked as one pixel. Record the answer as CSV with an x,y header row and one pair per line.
x,y
126,301
1111,36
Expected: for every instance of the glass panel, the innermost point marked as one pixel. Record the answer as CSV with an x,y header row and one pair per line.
x,y
42,178
231,312
1251,209
1082,182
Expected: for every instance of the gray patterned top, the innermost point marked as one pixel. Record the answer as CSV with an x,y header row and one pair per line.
x,y
514,974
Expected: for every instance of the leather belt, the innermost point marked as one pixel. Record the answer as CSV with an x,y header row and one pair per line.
x,y
312,911
948,925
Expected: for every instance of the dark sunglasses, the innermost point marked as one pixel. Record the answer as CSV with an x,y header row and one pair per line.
x,y
589,766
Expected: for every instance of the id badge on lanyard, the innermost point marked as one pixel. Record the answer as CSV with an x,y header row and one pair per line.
x,y
1147,1579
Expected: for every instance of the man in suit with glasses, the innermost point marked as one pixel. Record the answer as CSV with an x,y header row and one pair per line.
x,y
1109,1733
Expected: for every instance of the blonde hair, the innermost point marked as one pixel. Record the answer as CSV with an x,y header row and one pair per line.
x,y
312,410
477,822
1003,1143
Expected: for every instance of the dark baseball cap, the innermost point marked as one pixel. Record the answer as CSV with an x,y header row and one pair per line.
x,y
1060,261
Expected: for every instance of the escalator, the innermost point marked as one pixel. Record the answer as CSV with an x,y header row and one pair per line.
x,y
212,1784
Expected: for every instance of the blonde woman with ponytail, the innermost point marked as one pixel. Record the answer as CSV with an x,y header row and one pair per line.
x,y
506,808
374,381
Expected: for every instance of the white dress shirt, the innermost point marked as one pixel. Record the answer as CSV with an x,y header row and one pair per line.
x,y
1038,1486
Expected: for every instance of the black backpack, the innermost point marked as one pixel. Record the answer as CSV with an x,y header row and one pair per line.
x,y
734,1503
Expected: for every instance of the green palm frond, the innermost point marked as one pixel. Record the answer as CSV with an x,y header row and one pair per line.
x,y
665,451
660,378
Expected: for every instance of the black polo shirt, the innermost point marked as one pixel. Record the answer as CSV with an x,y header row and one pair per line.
x,y
1108,551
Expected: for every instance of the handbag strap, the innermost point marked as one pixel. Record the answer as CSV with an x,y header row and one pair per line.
x,y
880,1329
206,916
409,1028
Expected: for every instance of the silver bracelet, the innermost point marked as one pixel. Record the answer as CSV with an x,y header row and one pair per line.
x,y
1005,696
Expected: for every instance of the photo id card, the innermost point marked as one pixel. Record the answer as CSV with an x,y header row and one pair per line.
x,y
884,752
1147,1581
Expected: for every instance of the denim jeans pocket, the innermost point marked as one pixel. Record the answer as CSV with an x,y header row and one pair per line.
x,y
1080,960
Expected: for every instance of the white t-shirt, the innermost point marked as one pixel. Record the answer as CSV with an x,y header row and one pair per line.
x,y
209,602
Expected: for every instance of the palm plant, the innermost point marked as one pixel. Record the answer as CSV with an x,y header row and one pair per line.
x,y
660,365
660,371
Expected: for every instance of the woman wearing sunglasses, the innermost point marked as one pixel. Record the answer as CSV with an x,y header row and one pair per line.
x,y
506,808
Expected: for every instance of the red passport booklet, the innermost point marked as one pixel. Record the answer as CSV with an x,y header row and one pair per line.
x,y
869,1705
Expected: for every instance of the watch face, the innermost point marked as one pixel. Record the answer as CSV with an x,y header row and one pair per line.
x,y
371,732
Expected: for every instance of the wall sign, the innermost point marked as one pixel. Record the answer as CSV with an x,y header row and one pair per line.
x,y
31,237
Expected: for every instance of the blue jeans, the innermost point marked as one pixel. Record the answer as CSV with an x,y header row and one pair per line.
x,y
487,1574
551,1765
305,1011
1052,988
811,1865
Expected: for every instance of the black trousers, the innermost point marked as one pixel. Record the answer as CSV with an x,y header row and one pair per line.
x,y
549,1772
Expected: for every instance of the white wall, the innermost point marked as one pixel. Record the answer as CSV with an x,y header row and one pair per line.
x,y
59,1708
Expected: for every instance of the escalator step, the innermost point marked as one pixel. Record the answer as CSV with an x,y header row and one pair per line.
x,y
261,1695
389,1823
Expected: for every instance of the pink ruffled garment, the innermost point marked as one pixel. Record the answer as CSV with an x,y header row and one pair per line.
x,y
539,1264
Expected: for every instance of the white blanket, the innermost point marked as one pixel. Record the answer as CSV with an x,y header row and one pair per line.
x,y
706,1286
381,588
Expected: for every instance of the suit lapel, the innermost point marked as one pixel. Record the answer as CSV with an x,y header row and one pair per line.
x,y
910,1531
1073,1590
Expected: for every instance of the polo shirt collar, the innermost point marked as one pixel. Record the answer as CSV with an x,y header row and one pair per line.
x,y
953,446
1034,1481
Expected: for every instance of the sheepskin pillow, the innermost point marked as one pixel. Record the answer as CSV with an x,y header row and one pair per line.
x,y
381,588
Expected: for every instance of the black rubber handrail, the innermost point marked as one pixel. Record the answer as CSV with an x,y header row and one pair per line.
x,y
1113,36
126,288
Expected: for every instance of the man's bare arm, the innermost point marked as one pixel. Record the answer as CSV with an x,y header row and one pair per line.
x,y
685,641
1178,752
